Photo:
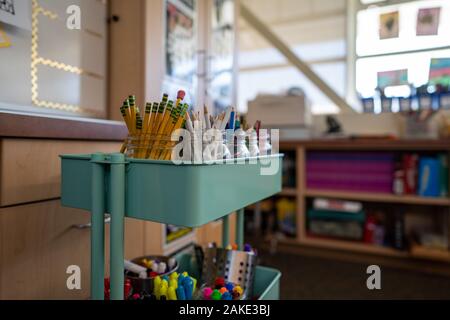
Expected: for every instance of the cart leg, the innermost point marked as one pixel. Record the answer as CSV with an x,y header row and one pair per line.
x,y
98,228
240,229
117,208
225,231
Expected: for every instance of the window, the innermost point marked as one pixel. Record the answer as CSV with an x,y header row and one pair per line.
x,y
403,36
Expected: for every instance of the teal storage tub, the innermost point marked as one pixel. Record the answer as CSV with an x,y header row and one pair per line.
x,y
185,195
266,285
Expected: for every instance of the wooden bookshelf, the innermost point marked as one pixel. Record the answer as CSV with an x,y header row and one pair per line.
x,y
289,192
421,252
379,197
353,246
302,194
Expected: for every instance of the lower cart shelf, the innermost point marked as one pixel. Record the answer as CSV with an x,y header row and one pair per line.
x,y
266,285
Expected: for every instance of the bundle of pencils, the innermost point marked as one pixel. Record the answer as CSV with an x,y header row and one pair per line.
x,y
151,135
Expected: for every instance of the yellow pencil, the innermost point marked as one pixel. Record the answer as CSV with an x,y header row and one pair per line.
x,y
148,112
160,114
150,126
132,103
157,123
124,115
177,124
167,130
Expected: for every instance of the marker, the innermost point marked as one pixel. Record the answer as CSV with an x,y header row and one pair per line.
x,y
180,279
135,268
225,118
155,266
237,292
223,290
194,282
171,263
156,285
219,283
163,291
173,283
229,286
161,267
227,296
188,285
189,123
216,295
171,293
180,293
207,293
207,120
257,126
232,119
237,122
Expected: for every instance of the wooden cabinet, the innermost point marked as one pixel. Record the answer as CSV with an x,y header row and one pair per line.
x,y
30,168
38,240
37,244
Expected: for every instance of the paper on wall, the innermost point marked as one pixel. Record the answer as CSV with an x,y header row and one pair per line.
x,y
16,13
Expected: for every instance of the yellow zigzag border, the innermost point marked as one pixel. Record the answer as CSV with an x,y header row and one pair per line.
x,y
37,60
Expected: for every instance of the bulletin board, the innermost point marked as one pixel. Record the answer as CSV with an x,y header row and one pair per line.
x,y
180,47
51,68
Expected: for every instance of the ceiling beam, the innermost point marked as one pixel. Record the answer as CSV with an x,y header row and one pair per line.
x,y
284,49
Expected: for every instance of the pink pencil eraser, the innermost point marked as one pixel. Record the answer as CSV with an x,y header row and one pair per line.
x,y
181,94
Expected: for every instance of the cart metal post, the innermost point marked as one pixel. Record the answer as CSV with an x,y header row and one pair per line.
x,y
225,231
240,229
117,209
97,226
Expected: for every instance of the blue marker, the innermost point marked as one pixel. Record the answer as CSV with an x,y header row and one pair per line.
x,y
188,285
180,293
232,116
181,279
229,286
227,296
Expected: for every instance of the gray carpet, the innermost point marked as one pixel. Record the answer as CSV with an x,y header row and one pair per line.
x,y
307,277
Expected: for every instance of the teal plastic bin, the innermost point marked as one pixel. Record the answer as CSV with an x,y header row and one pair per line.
x,y
185,195
266,285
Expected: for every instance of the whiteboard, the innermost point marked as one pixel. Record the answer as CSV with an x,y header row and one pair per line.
x,y
49,68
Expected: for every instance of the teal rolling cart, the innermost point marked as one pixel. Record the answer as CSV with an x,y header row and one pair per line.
x,y
188,195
